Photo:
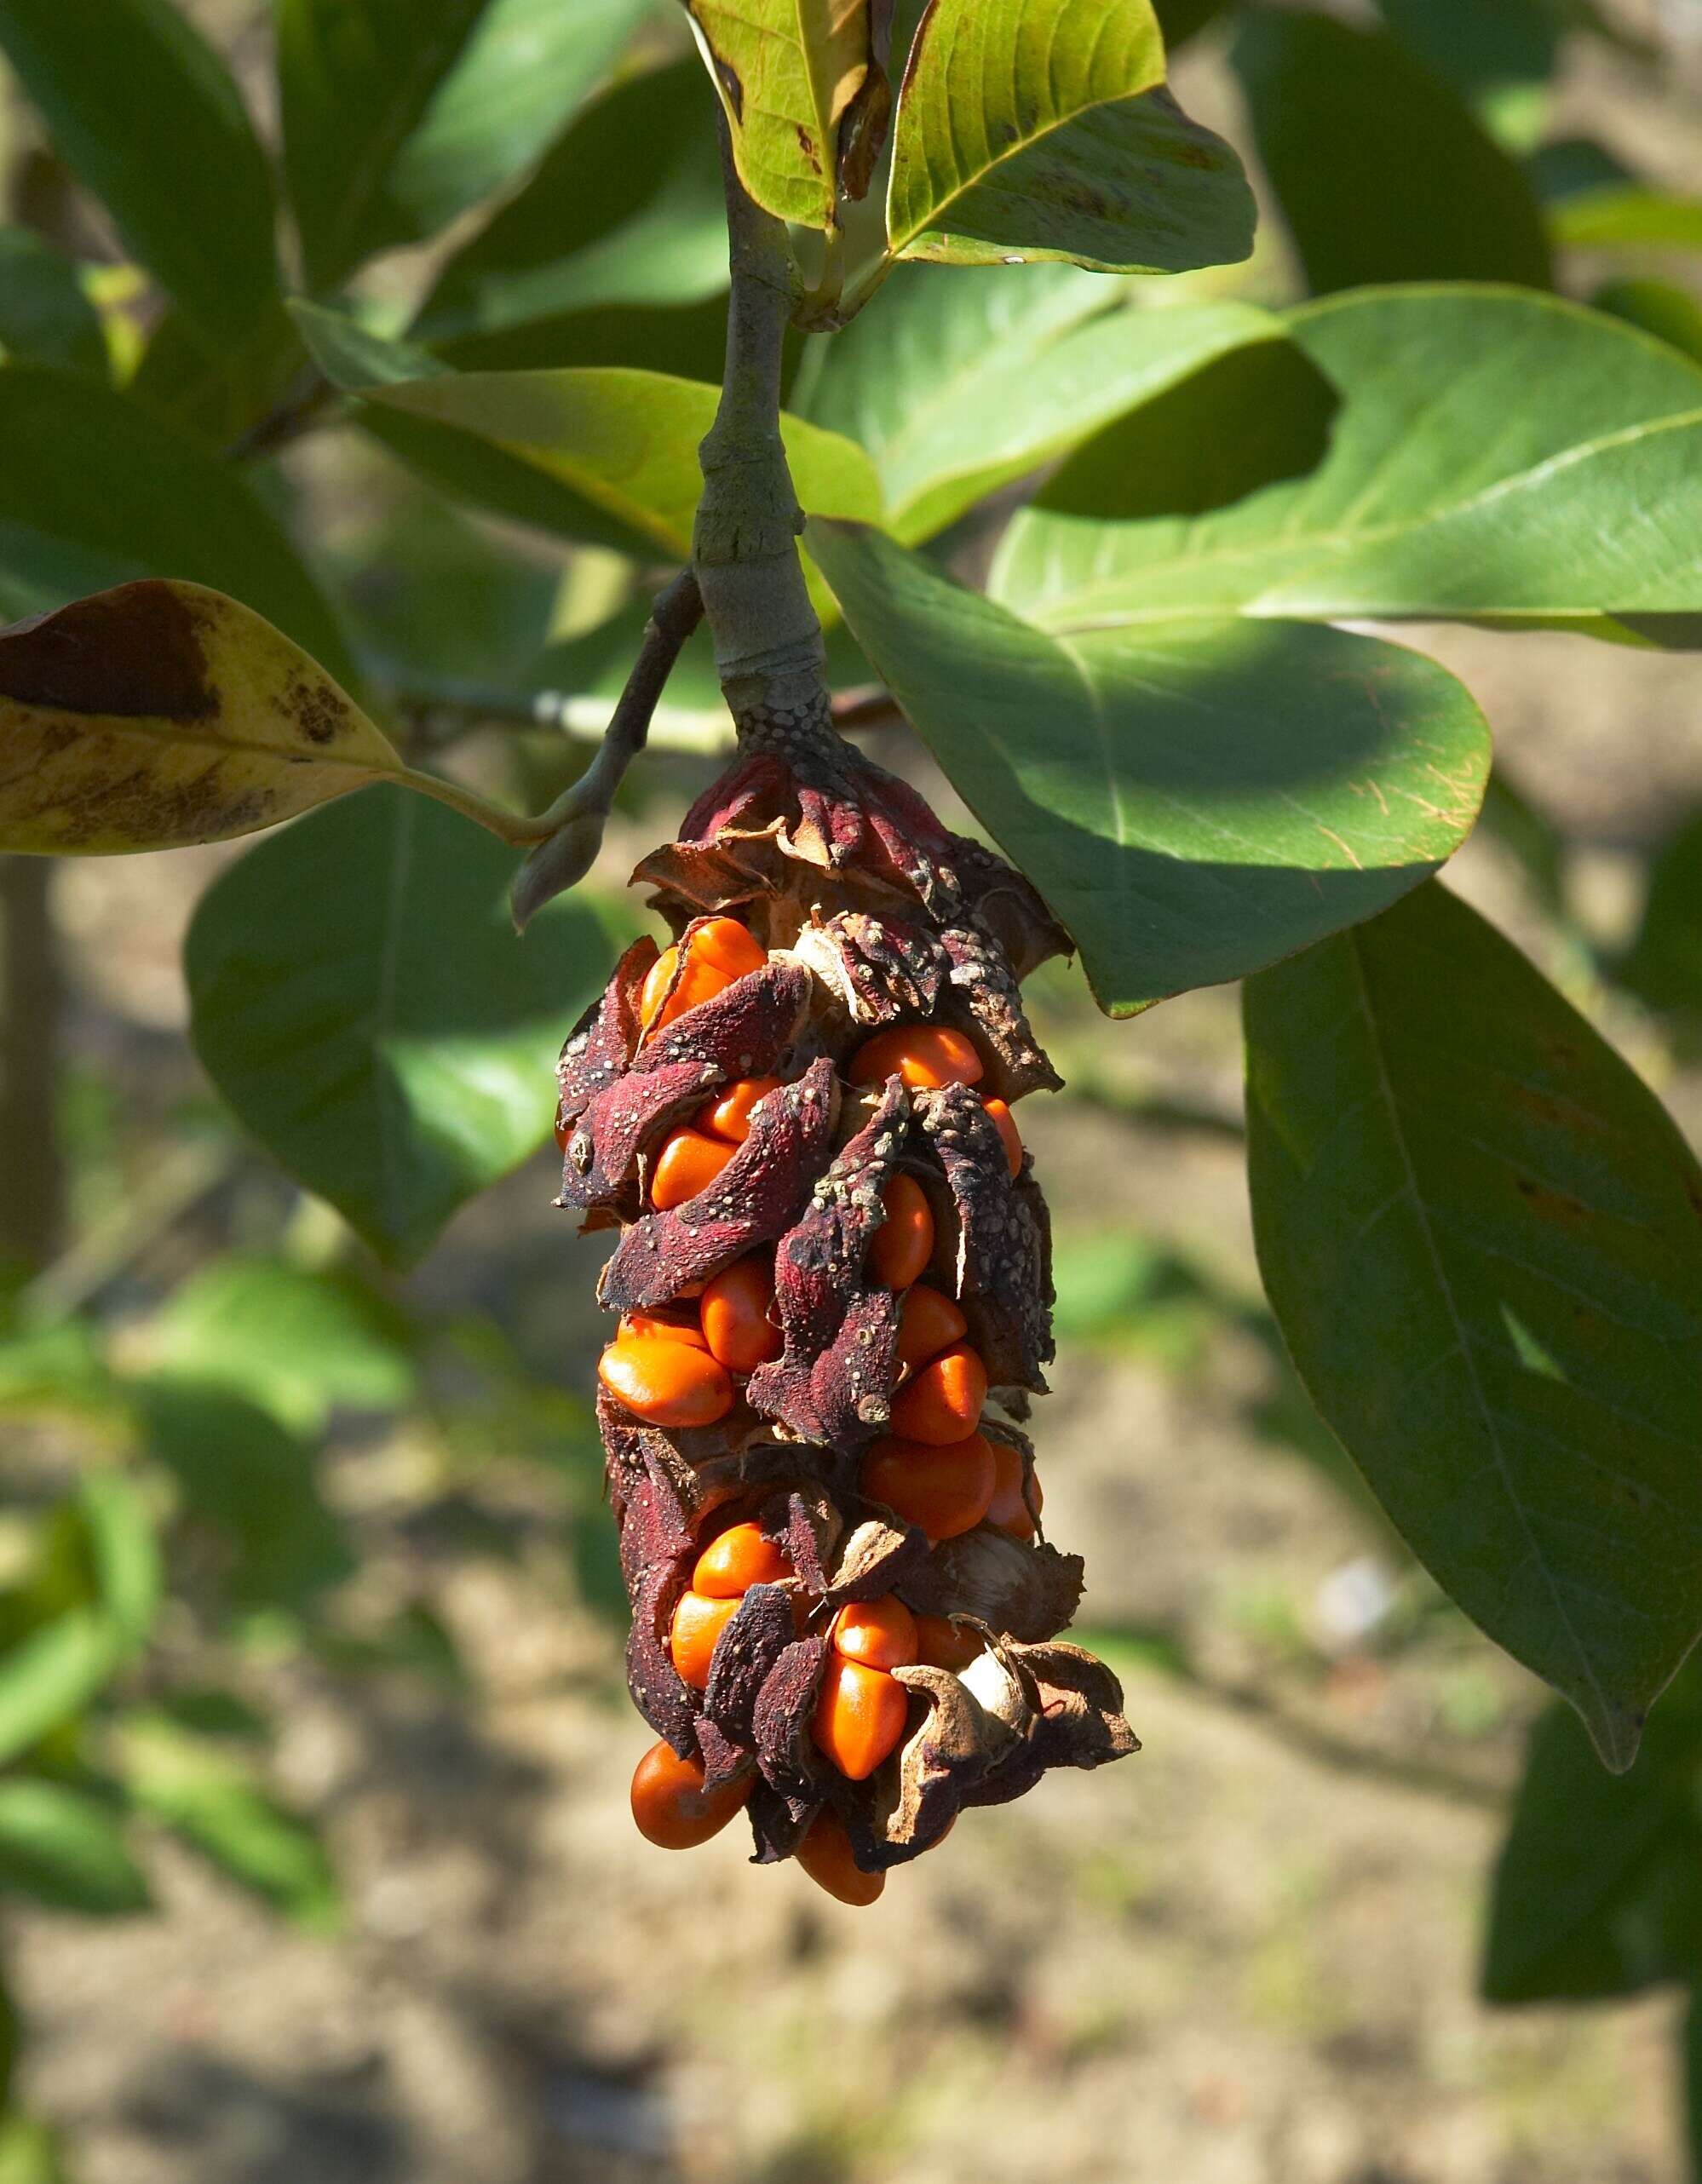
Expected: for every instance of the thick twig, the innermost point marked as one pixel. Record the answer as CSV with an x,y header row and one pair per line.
x,y
577,818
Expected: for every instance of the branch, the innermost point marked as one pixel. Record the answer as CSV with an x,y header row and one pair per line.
x,y
577,818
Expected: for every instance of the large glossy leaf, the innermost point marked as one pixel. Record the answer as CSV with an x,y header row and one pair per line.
x,y
1495,454
595,226
45,313
1040,128
603,453
399,113
524,68
1382,172
785,70
95,490
143,110
215,1803
957,386
160,714
61,1846
361,1001
1191,801
1482,1238
1598,1888
297,1343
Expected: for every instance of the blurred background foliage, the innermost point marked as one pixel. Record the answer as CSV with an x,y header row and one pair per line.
x,y
287,1525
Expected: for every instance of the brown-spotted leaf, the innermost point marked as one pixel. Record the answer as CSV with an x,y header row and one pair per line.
x,y
787,71
160,714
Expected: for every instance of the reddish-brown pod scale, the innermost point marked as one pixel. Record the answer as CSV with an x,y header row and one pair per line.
x,y
834,1293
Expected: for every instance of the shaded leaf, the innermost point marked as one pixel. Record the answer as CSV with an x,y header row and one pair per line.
x,y
1022,131
1193,800
45,313
1598,1888
297,1343
1484,53
1663,966
356,77
595,226
360,1000
63,1848
1672,314
526,66
785,70
160,714
1382,172
218,1807
95,490
52,1675
957,387
1445,490
251,1481
1439,1144
146,115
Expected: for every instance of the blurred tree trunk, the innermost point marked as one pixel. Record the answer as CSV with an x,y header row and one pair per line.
x,y
32,1170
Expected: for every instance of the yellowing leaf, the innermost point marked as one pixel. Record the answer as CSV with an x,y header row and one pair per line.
x,y
159,714
786,71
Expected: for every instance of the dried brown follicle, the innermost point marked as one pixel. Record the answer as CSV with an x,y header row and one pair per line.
x,y
870,918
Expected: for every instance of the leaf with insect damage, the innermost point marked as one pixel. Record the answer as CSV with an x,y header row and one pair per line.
x,y
786,71
160,714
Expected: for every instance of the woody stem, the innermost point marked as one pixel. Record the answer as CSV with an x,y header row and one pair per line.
x,y
767,639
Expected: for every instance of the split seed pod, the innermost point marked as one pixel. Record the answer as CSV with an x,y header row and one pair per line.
x,y
834,1274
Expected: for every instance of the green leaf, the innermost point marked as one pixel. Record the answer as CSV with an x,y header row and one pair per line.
x,y
45,313
785,70
609,454
595,226
1182,19
145,113
1479,1233
62,1847
217,1805
1663,966
1040,128
52,1675
156,715
957,387
1598,1888
527,66
360,1000
1670,314
356,77
95,490
251,1481
1194,801
29,2152
125,1552
1382,172
1621,215
1446,490
1483,52
297,1343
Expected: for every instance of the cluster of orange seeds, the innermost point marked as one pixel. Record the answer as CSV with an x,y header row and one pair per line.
x,y
832,1279
679,1365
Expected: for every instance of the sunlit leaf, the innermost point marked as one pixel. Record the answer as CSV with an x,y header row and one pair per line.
x,y
957,387
52,1675
144,110
60,1847
1672,314
1439,487
1192,799
160,714
1479,1233
1622,215
361,1001
786,71
1040,128
125,1552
